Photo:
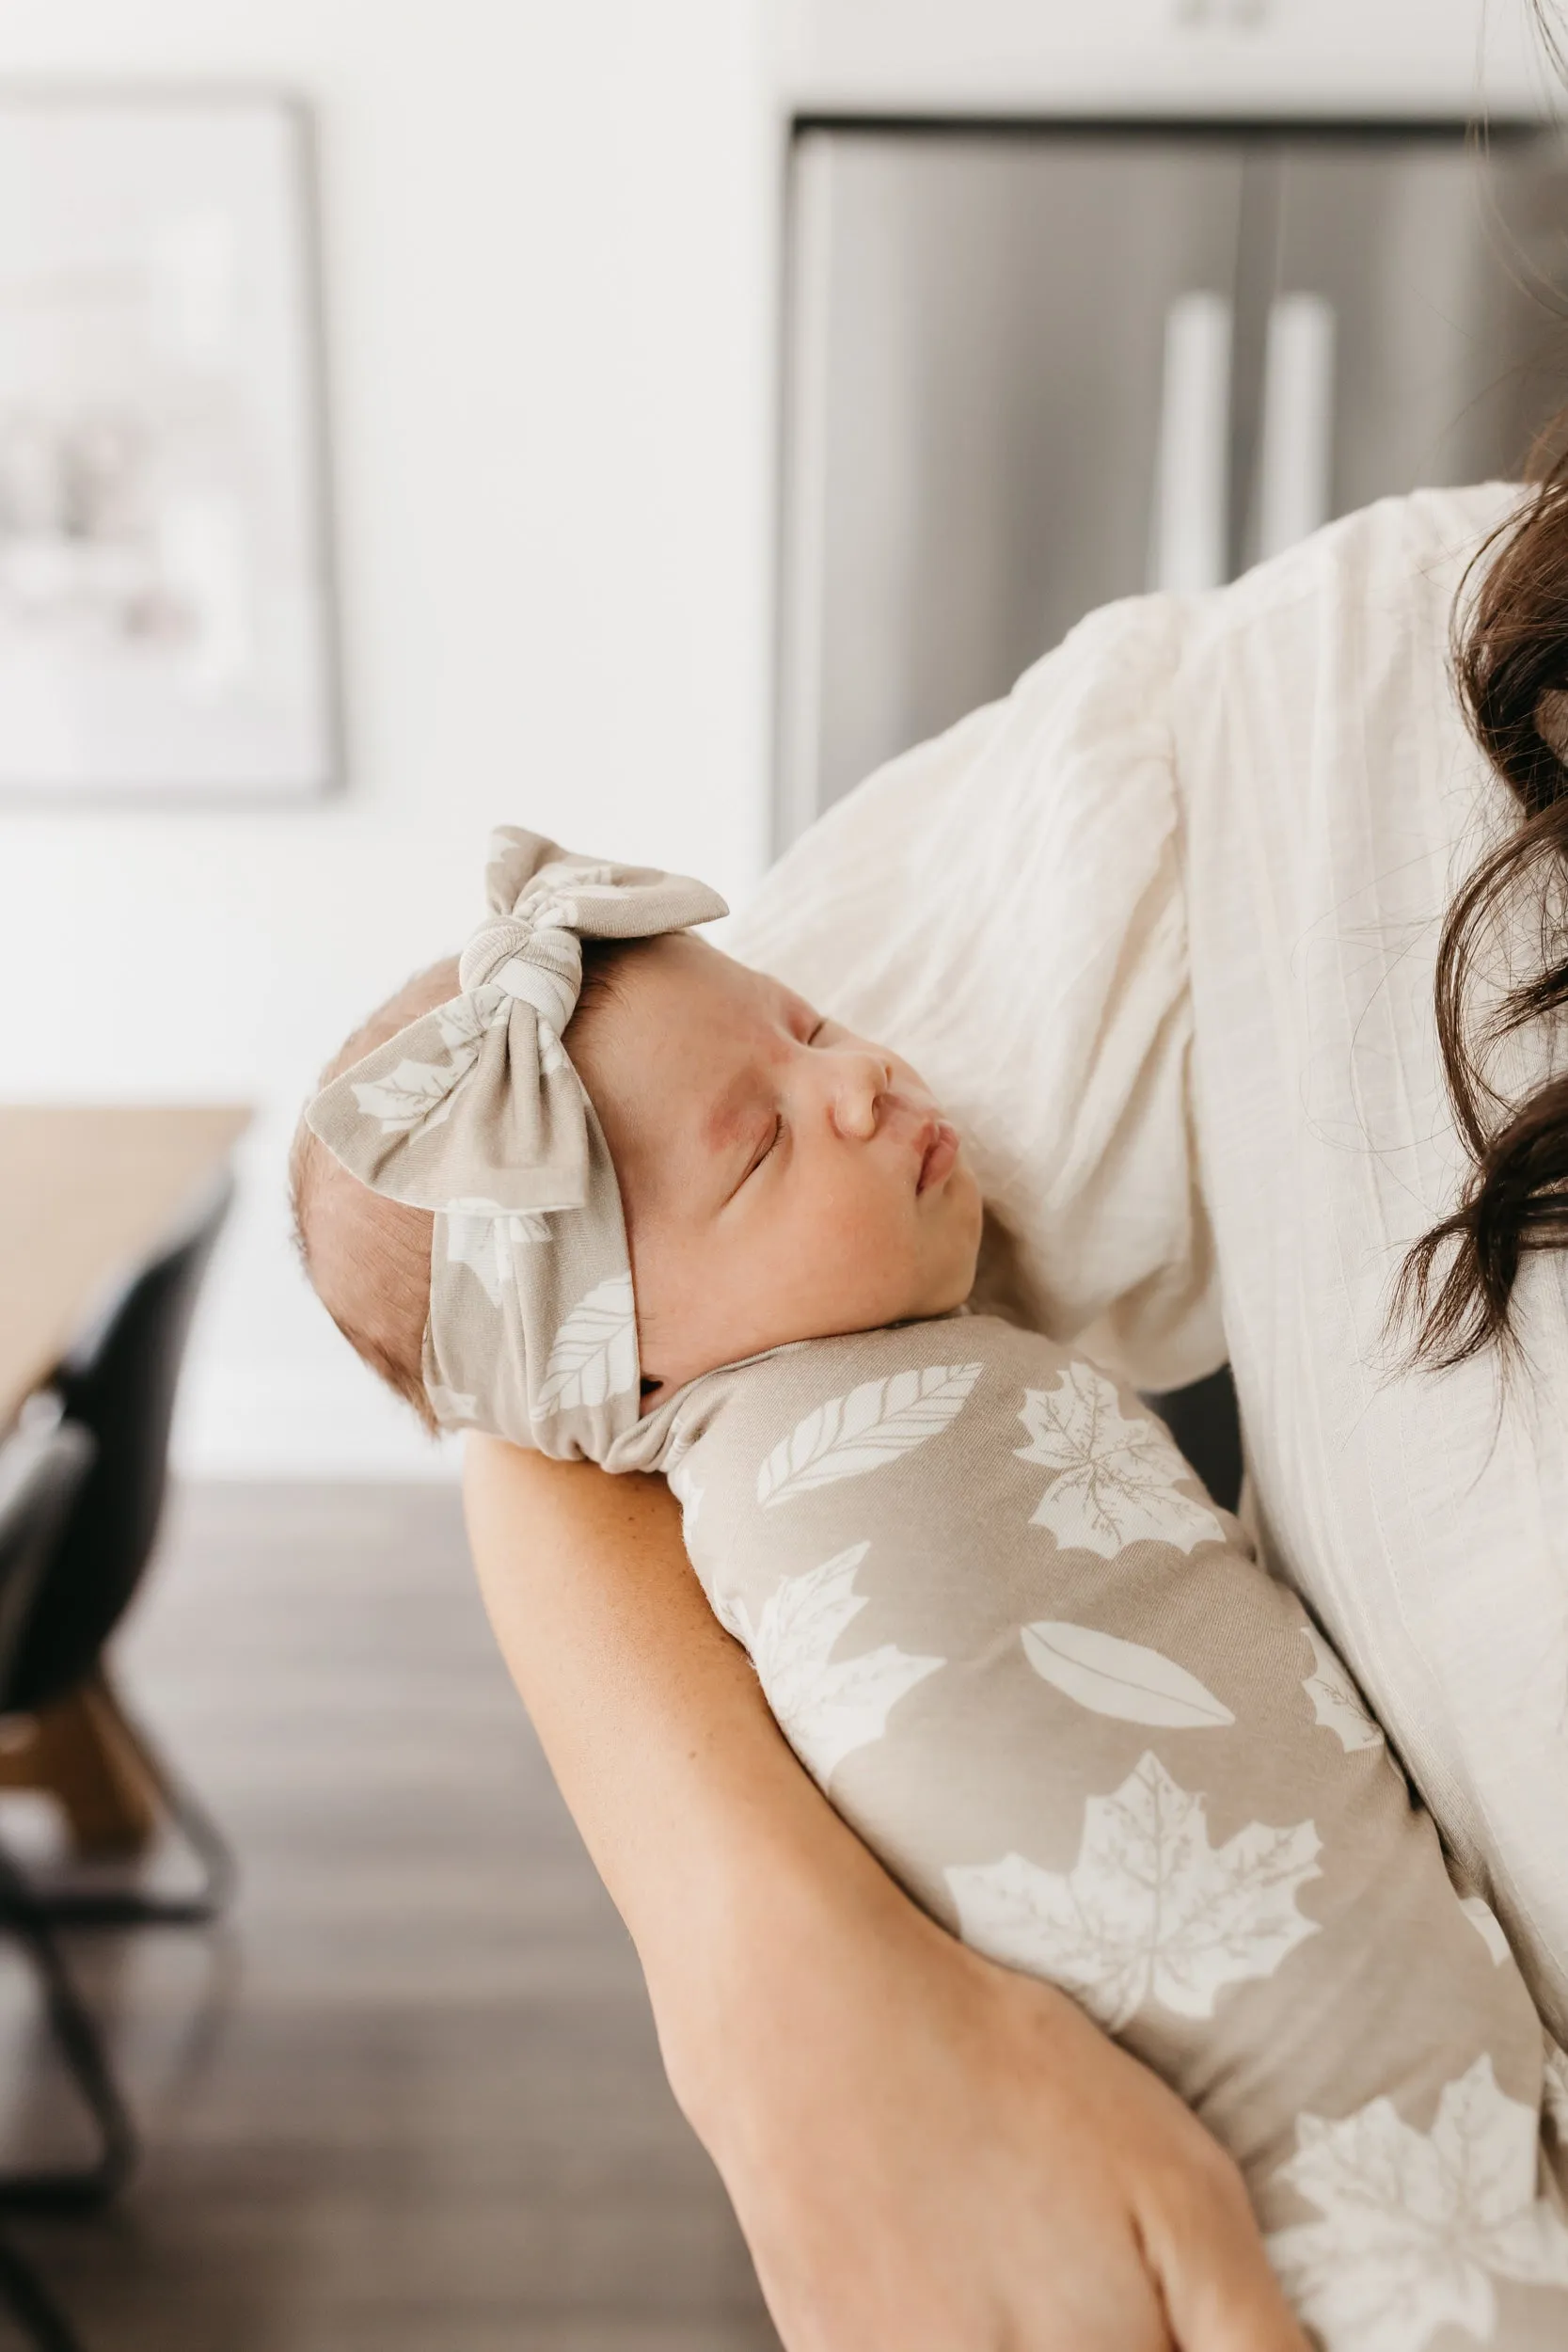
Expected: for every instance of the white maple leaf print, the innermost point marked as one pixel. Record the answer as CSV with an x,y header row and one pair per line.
x,y
415,1094
1337,1704
1484,1921
1116,1479
1417,2225
483,1236
1151,1911
1121,1679
595,1354
825,1708
873,1424
463,1021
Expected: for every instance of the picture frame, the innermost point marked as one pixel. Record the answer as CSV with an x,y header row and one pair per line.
x,y
166,610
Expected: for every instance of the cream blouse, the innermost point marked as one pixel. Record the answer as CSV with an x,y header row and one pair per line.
x,y
1159,930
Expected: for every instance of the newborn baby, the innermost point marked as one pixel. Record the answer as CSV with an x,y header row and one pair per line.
x,y
666,1216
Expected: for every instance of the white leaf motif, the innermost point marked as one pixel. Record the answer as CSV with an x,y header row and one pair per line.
x,y
1484,1921
414,1094
463,1021
1121,1679
595,1355
824,1709
873,1424
1417,2225
1116,1479
1151,1912
1337,1704
483,1236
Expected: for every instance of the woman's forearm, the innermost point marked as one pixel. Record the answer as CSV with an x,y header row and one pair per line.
x,y
923,2149
698,1816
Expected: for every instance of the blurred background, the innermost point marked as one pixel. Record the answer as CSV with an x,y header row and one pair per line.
x,y
637,422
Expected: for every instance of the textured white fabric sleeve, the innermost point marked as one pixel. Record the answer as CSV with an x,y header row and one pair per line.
x,y
1004,906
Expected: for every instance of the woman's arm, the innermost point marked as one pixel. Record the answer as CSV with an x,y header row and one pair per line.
x,y
923,2148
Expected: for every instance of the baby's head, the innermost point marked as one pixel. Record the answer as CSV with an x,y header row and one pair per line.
x,y
779,1178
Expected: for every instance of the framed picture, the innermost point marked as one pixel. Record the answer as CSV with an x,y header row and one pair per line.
x,y
166,619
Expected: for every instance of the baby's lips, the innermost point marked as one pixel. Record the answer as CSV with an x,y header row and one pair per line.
x,y
939,1156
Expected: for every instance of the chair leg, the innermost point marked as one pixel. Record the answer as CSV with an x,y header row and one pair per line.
x,y
114,1907
67,2187
33,2307
77,1752
101,1766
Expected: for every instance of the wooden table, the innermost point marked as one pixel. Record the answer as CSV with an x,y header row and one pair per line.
x,y
85,1193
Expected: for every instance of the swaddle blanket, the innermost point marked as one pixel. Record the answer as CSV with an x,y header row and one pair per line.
x,y
1045,1679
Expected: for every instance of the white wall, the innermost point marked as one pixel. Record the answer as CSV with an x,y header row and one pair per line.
x,y
546,241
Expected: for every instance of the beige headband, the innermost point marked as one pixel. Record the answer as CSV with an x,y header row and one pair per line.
x,y
475,1111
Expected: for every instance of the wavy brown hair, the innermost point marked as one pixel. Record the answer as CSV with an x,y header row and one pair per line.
x,y
1510,663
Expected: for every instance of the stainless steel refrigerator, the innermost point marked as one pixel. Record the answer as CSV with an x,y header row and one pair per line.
x,y
1029,370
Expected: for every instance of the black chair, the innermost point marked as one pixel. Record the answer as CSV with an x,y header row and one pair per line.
x,y
44,1464
118,1384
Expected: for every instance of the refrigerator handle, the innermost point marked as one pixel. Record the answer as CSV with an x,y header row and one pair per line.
x,y
1190,484
1295,473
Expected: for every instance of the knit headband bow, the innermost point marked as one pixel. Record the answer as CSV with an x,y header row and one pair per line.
x,y
474,1111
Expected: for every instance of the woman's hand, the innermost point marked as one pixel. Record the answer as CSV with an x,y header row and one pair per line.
x,y
928,2154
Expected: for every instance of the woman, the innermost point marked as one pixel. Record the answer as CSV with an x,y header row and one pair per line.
x,y
1196,936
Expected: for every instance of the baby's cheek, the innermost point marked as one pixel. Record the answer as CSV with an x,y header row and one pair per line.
x,y
885,1267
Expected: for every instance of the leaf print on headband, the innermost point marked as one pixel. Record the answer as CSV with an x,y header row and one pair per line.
x,y
1151,1911
595,1355
419,1094
1337,1704
1417,2225
416,1093
824,1709
1116,1479
464,1022
873,1424
1121,1679
483,1236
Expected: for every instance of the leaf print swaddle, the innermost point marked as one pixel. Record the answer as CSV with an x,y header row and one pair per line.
x,y
1041,1674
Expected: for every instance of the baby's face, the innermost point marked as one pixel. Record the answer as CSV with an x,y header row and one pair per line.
x,y
781,1179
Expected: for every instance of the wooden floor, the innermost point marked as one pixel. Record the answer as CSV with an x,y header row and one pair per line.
x,y
410,2098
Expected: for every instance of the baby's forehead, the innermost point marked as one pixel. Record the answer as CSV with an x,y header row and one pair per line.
x,y
667,1001
675,1047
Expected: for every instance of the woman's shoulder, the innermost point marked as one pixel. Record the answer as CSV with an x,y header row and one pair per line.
x,y
1398,561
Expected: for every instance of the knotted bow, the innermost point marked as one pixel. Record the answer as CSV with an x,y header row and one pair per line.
x,y
474,1111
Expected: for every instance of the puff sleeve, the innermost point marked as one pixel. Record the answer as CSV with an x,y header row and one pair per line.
x,y
1004,907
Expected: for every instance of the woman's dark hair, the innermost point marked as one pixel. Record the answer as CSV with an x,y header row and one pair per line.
x,y
1511,662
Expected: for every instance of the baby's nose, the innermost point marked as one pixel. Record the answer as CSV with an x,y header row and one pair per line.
x,y
861,1084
